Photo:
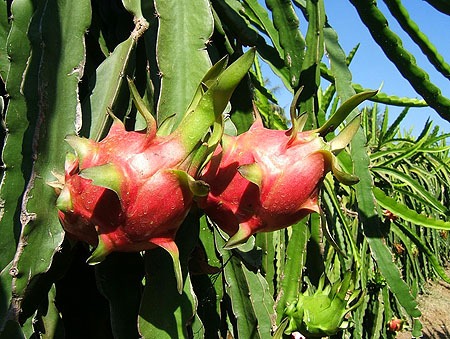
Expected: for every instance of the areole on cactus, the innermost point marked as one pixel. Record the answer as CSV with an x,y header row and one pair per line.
x,y
264,180
132,190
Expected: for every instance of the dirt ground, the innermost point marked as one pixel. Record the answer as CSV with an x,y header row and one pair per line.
x,y
435,308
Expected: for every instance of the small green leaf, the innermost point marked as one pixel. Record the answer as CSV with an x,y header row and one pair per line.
x,y
172,249
184,28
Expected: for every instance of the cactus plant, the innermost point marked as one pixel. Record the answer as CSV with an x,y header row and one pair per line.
x,y
142,91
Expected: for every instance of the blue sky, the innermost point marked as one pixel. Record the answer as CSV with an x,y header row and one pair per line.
x,y
370,67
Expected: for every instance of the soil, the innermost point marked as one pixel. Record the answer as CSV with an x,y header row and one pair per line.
x,y
435,308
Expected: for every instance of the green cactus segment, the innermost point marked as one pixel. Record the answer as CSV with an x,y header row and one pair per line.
x,y
441,5
408,214
415,186
343,111
344,137
405,62
211,106
6,288
328,236
209,291
291,40
409,26
393,100
238,238
4,30
50,317
310,72
252,172
16,123
423,247
108,176
365,198
251,300
57,71
142,108
232,13
169,319
263,20
198,188
291,275
115,272
380,97
184,30
83,147
134,7
105,90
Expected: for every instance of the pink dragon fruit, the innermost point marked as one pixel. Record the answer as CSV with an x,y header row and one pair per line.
x,y
265,180
132,190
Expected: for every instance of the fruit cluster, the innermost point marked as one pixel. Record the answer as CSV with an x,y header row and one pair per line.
x,y
132,190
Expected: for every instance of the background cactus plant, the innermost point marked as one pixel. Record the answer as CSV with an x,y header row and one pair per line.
x,y
64,64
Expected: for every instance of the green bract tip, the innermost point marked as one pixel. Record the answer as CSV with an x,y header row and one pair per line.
x,y
240,237
198,188
107,176
64,201
170,246
251,172
99,254
82,146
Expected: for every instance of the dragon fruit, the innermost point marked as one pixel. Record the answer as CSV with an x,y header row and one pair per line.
x,y
265,180
132,190
323,311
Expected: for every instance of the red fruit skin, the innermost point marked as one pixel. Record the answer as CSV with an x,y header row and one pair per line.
x,y
152,205
292,172
395,325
